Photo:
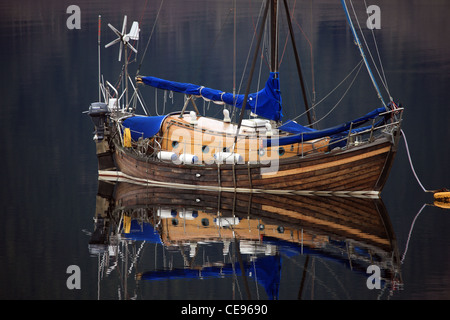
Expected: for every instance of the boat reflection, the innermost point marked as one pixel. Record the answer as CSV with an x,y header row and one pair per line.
x,y
246,236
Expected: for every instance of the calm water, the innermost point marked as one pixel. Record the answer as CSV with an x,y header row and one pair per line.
x,y
49,169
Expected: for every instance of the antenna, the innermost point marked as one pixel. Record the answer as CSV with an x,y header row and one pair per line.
x,y
124,39
99,77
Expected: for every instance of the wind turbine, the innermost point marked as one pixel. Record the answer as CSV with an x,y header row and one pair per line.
x,y
124,39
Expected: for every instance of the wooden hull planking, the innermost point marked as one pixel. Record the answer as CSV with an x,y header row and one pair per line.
x,y
363,168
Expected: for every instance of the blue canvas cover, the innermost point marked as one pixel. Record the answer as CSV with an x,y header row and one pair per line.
x,y
143,126
294,127
265,103
267,270
302,133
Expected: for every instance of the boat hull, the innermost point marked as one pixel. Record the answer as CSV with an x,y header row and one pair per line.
x,y
361,168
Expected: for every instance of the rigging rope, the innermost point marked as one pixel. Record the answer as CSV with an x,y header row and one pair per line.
x,y
339,101
379,58
369,51
358,66
248,54
149,38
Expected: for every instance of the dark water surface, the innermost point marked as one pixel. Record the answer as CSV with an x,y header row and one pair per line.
x,y
49,171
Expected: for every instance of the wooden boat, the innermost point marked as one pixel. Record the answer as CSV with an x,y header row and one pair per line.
x,y
354,232
261,154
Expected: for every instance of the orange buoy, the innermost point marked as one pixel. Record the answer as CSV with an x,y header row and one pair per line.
x,y
442,199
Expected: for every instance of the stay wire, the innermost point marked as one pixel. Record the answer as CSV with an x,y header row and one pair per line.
x,y
369,51
149,38
358,66
248,57
379,56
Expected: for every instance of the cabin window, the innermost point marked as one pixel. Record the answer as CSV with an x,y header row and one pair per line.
x,y
280,229
281,151
261,226
174,221
205,222
175,144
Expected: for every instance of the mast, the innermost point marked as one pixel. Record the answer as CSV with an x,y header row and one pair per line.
x,y
297,61
274,35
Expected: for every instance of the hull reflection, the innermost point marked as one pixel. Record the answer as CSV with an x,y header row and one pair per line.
x,y
251,232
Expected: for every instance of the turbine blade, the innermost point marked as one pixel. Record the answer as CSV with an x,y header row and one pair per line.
x,y
112,42
124,27
115,30
120,51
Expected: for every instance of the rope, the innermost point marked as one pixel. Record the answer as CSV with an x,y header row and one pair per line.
x,y
360,63
151,34
339,101
248,55
411,164
368,50
379,58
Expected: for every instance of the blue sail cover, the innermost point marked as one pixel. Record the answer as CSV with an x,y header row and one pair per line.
x,y
301,133
143,126
265,103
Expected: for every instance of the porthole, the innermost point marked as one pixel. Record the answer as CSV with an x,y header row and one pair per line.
x,y
261,226
262,152
225,149
280,229
205,149
281,151
175,144
174,221
205,222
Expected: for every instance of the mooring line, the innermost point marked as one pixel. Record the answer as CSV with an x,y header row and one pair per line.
x,y
411,164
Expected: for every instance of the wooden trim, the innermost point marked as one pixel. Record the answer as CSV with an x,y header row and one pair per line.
x,y
328,164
